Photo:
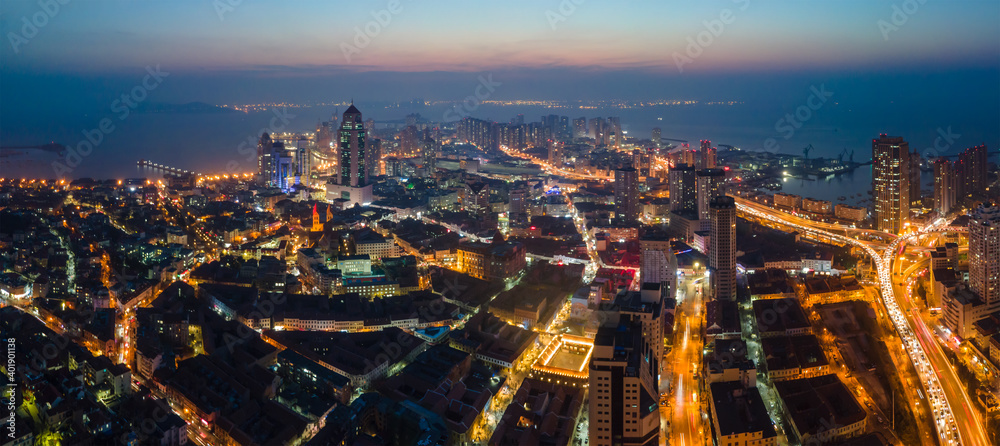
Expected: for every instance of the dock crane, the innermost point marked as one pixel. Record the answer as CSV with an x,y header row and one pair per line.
x,y
850,156
806,150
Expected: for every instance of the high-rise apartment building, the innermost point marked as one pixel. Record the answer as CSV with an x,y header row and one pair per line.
x,y
945,186
280,166
683,188
518,209
916,198
627,194
710,184
617,138
263,157
482,134
722,247
598,132
891,182
580,127
984,252
657,136
708,155
624,370
971,168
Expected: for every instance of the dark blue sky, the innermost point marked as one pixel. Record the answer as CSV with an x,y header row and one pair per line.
x,y
905,67
540,49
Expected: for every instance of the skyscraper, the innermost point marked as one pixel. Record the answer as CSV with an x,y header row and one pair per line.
x,y
656,136
580,127
945,186
710,184
326,133
627,194
708,155
482,134
518,209
597,131
683,188
972,169
303,162
890,182
263,157
916,198
722,247
984,252
615,124
355,161
624,370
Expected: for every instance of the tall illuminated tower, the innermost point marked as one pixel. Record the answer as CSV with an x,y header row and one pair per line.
x,y
945,186
722,247
355,160
683,188
984,252
891,182
627,194
708,155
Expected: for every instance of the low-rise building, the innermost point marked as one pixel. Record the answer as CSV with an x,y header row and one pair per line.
x,y
499,260
540,413
850,213
728,362
739,417
821,409
776,317
817,206
790,357
789,201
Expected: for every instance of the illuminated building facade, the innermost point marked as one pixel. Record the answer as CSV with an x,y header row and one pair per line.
x,y
984,253
627,194
891,182
722,247
355,167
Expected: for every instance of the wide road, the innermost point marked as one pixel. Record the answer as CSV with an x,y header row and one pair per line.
x,y
552,169
970,427
947,427
816,224
685,412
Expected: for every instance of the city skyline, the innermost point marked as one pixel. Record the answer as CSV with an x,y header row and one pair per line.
x,y
558,222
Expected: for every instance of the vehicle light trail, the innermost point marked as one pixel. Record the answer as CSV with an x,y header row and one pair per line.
x,y
944,419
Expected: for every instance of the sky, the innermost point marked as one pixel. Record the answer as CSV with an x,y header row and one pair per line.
x,y
220,49
907,67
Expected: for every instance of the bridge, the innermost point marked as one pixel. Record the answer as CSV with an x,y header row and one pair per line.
x,y
169,169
